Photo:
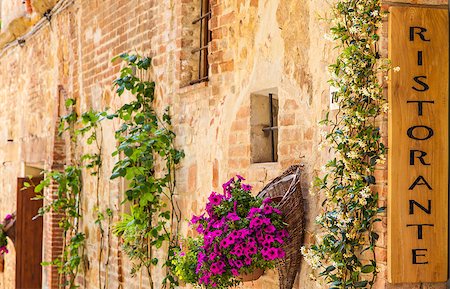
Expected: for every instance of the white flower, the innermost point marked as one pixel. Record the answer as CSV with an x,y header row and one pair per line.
x,y
396,69
353,29
328,37
362,201
320,218
320,146
352,155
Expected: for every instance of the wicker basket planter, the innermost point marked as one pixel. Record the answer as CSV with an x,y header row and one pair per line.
x,y
287,189
255,275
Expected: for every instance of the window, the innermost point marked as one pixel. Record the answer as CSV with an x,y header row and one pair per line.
x,y
201,52
264,126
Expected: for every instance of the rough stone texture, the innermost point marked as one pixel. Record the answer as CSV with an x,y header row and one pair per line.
x,y
256,45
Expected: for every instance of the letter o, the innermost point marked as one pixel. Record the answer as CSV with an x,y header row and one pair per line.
x,y
411,132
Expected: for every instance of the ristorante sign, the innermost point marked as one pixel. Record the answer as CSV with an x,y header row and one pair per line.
x,y
418,146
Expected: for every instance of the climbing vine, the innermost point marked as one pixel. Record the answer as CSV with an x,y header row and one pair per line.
x,y
147,161
146,158
344,253
67,199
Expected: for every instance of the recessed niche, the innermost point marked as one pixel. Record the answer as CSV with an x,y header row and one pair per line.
x,y
264,126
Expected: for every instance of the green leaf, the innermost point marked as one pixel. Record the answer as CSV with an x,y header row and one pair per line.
x,y
367,269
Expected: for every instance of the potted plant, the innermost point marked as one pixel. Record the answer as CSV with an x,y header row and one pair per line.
x,y
240,236
4,228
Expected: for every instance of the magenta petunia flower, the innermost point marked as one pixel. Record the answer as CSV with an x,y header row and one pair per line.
x,y
204,280
237,251
3,250
235,272
215,199
270,229
250,250
247,188
227,187
267,210
8,217
266,221
267,201
269,238
233,216
238,264
240,177
196,219
281,253
256,223
232,241
253,212
283,234
225,243
212,256
243,233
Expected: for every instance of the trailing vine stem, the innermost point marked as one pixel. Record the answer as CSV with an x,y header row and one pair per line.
x,y
147,160
67,200
344,252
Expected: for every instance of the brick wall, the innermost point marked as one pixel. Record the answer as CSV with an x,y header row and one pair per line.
x,y
257,45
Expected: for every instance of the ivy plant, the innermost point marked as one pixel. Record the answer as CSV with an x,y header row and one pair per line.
x,y
147,160
344,252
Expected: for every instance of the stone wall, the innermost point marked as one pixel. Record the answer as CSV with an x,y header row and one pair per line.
x,y
256,46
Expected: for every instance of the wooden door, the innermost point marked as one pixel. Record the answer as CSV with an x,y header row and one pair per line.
x,y
28,237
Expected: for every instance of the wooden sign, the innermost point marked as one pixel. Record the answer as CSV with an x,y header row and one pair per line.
x,y
418,146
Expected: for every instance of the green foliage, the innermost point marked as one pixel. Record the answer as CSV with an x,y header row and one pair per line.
x,y
344,252
147,160
67,196
185,260
3,240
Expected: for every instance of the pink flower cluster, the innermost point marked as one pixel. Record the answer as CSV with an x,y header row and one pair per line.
x,y
239,232
3,250
3,240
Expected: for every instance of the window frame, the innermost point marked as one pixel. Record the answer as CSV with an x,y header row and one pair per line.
x,y
204,39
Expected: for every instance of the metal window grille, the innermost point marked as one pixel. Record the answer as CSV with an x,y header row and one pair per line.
x,y
272,129
204,39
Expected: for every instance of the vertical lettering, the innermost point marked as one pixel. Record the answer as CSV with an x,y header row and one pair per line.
x,y
416,30
420,105
413,203
411,134
420,58
413,156
418,182
420,229
415,255
418,80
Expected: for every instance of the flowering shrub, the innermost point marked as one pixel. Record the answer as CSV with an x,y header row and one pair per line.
x,y
184,263
3,239
345,249
240,234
